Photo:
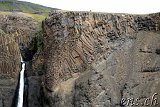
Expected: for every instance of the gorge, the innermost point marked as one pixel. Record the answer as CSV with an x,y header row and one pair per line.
x,y
80,59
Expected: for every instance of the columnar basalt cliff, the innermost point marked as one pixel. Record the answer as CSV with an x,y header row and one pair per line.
x,y
9,67
15,30
97,59
87,59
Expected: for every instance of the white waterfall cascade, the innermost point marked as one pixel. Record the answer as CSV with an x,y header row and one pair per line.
x,y
21,85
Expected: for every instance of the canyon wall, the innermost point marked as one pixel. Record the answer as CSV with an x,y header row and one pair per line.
x,y
15,33
97,59
81,59
9,69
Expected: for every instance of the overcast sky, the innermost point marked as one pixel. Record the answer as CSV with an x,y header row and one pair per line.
x,y
114,6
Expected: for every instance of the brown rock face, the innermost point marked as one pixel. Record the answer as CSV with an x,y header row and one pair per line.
x,y
86,60
79,39
19,26
14,30
97,59
9,69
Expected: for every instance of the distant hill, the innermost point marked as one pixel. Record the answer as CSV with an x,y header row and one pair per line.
x,y
37,12
21,6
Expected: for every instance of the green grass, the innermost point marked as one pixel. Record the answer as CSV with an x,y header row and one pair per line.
x,y
35,11
5,13
36,17
20,6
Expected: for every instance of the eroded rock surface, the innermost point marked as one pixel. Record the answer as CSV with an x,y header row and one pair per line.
x,y
15,30
96,59
86,59
9,69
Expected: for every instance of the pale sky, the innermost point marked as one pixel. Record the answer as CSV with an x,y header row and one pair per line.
x,y
114,6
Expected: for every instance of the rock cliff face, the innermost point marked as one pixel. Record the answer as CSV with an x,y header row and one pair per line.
x,y
86,59
96,59
9,68
15,30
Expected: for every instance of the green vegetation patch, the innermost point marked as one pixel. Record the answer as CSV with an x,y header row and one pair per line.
x,y
35,11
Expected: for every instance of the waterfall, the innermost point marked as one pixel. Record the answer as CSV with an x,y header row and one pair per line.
x,y
21,85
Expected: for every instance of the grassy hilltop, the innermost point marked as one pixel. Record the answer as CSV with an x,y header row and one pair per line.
x,y
37,12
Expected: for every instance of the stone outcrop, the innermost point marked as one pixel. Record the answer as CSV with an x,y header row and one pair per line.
x,y
15,30
96,59
85,59
20,26
9,69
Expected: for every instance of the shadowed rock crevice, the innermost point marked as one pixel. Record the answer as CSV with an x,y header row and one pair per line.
x,y
35,44
158,51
